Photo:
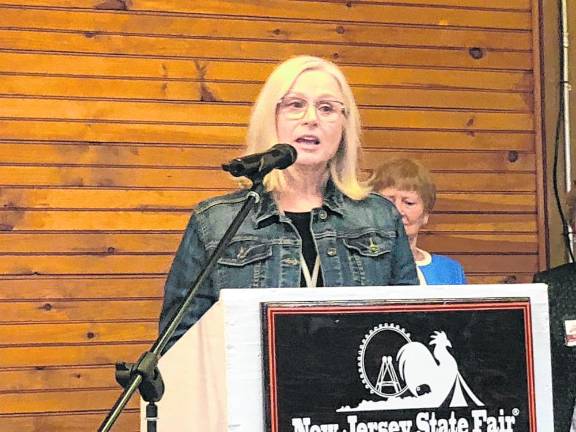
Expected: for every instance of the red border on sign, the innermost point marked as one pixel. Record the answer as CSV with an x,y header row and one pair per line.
x,y
304,309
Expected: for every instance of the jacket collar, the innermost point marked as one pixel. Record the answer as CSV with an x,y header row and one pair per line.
x,y
267,207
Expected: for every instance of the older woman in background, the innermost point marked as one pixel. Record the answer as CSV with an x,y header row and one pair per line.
x,y
409,186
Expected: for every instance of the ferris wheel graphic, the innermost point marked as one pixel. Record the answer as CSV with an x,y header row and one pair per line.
x,y
376,359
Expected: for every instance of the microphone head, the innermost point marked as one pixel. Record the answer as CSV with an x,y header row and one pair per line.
x,y
285,154
279,156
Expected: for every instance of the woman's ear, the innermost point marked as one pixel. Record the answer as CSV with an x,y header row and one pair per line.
x,y
425,218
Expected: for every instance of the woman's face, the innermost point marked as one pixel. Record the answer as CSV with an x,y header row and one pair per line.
x,y
310,117
410,206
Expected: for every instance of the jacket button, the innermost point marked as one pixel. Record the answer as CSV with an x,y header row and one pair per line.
x,y
323,215
291,261
331,252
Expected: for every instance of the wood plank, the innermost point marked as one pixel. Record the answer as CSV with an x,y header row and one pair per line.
x,y
86,198
92,333
359,12
233,114
494,4
212,178
437,98
194,91
118,177
408,118
259,29
393,138
509,278
130,133
142,199
454,243
170,69
520,223
72,355
171,221
453,160
196,156
87,264
498,263
485,202
226,114
103,44
119,155
65,311
416,14
35,379
148,243
93,220
457,182
77,243
129,421
61,401
84,287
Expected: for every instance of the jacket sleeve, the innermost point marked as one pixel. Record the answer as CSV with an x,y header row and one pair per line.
x,y
190,258
403,267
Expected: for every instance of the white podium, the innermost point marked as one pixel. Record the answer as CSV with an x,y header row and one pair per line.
x,y
215,374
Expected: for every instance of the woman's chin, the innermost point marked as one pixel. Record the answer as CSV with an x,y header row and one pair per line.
x,y
309,163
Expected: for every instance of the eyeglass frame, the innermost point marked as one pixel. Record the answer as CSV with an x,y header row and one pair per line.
x,y
315,104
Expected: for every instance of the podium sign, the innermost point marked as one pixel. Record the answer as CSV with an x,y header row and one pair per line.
x,y
450,365
470,358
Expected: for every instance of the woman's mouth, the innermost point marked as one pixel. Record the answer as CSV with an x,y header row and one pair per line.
x,y
308,139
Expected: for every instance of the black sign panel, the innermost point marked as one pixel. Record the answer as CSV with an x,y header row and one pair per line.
x,y
430,366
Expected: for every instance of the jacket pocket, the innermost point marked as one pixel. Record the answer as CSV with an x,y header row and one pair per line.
x,y
244,251
372,243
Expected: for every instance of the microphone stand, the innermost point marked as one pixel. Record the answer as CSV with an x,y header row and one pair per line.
x,y
144,375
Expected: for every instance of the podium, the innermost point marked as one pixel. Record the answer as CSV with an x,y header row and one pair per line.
x,y
356,359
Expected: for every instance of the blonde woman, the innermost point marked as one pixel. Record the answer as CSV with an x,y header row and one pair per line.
x,y
315,224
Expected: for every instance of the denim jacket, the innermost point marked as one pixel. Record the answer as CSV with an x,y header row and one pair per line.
x,y
358,243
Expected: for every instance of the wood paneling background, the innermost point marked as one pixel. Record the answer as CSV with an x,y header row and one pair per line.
x,y
116,114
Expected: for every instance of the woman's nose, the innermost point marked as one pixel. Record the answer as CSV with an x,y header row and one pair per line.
x,y
310,115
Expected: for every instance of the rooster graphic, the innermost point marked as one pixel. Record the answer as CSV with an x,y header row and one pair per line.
x,y
428,379
434,376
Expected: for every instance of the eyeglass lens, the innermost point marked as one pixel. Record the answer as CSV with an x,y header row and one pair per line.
x,y
295,108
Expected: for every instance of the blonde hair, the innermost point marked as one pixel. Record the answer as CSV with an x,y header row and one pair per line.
x,y
406,175
262,132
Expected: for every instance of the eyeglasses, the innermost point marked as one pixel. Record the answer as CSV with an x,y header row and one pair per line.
x,y
294,108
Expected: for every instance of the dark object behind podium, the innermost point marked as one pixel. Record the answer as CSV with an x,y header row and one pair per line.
x,y
561,283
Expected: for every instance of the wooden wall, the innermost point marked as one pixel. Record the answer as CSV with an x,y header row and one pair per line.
x,y
116,114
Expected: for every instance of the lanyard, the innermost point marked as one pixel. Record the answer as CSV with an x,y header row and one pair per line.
x,y
311,281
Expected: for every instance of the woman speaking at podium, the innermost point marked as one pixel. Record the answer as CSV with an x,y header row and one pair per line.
x,y
315,224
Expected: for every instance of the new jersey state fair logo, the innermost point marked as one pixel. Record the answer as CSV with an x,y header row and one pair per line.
x,y
409,374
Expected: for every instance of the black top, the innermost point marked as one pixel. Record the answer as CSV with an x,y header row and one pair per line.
x,y
302,223
562,306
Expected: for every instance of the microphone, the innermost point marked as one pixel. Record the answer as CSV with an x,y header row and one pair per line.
x,y
259,164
